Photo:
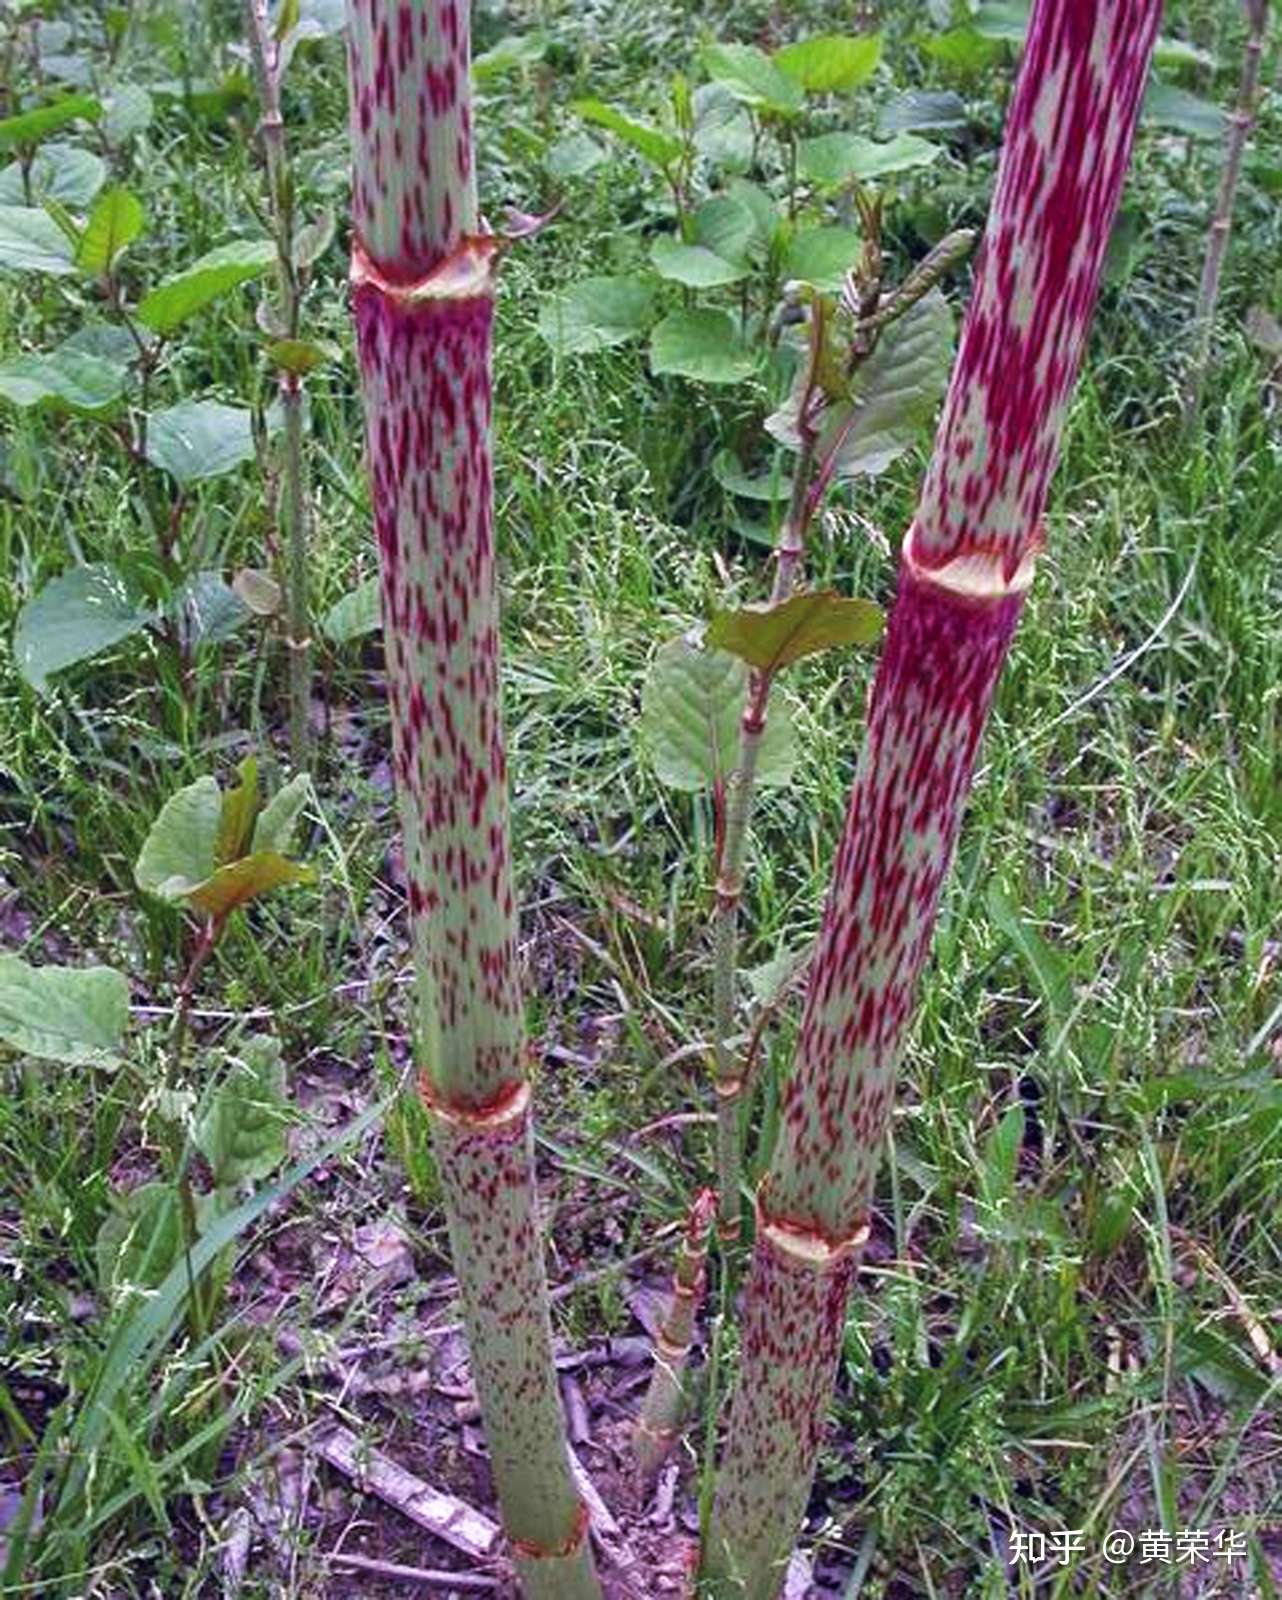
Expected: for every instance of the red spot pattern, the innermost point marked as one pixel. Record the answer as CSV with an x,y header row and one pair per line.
x,y
939,666
498,1255
1067,145
413,190
426,371
792,1326
1068,136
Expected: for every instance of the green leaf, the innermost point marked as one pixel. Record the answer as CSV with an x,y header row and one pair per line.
x,y
241,881
771,487
73,618
922,111
140,1239
513,51
1264,330
693,264
1047,966
114,223
726,225
822,256
1001,1155
596,314
257,591
242,1133
107,341
830,63
206,610
1005,21
963,49
1181,53
1127,246
765,212
314,238
833,159
659,149
1171,107
30,127
722,127
199,439
64,380
356,614
179,850
895,394
753,78
287,16
129,109
77,1015
703,344
274,829
691,703
62,172
179,858
771,978
170,304
574,156
770,637
301,356
31,241
207,98
237,811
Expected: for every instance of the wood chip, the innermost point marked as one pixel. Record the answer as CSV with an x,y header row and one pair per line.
x,y
439,1513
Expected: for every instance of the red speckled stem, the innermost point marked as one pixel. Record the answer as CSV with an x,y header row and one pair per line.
x,y
423,298
964,569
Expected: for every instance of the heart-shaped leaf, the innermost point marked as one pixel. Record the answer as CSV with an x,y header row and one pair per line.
x,y
703,343
693,264
66,379
71,619
186,855
199,439
769,637
895,393
242,1132
833,159
753,78
31,241
596,314
691,705
830,63
77,1015
355,615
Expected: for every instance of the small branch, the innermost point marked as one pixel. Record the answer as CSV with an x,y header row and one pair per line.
x,y
1208,294
426,1575
264,53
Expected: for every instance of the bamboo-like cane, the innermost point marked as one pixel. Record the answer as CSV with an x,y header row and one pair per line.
x,y
659,1425
965,568
423,296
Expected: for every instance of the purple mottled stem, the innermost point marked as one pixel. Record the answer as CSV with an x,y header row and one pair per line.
x,y
423,299
965,567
